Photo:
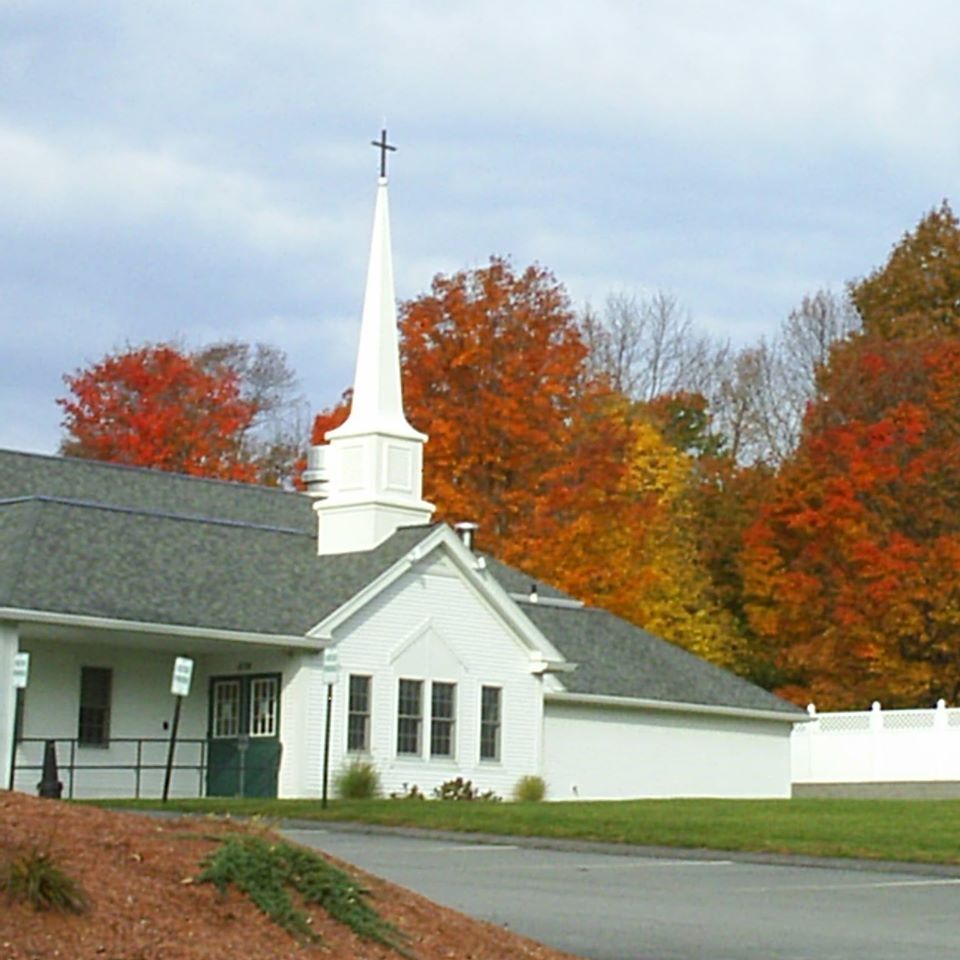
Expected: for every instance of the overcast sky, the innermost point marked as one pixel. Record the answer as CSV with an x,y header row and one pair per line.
x,y
201,170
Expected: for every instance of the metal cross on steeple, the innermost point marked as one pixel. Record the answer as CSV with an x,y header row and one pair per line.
x,y
384,147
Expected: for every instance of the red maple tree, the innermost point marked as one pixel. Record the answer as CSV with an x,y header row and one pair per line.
x,y
154,406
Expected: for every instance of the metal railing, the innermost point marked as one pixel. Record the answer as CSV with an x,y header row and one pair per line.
x,y
144,758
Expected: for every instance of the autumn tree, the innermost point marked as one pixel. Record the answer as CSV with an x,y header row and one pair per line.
x,y
917,291
852,570
275,440
494,372
155,406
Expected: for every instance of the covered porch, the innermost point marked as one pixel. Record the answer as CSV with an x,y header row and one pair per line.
x,y
101,692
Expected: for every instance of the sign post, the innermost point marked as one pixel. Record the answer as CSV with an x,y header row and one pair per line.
x,y
331,673
21,674
179,687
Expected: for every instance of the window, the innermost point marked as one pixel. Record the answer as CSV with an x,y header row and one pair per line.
x,y
443,699
358,714
409,716
226,709
490,723
93,727
263,706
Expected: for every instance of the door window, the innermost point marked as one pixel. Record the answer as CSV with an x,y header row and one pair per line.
x,y
226,709
263,707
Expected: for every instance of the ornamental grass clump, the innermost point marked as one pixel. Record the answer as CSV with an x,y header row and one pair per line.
x,y
35,878
530,789
267,871
358,780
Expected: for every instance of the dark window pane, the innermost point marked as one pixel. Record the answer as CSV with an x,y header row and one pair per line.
x,y
358,714
490,723
93,727
443,709
409,716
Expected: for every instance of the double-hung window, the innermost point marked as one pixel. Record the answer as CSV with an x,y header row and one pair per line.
x,y
358,714
93,724
490,722
409,717
443,712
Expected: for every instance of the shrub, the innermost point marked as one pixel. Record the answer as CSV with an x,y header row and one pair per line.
x,y
460,789
264,870
530,789
34,877
359,780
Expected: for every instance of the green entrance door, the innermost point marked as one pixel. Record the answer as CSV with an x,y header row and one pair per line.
x,y
244,736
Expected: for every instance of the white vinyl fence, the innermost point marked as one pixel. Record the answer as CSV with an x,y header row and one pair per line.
x,y
877,746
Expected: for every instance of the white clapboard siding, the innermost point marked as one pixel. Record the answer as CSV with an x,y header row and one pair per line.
x,y
432,625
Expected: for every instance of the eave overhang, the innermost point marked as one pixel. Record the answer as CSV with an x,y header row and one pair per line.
x,y
672,706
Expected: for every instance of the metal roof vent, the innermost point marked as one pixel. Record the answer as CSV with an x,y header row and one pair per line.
x,y
465,530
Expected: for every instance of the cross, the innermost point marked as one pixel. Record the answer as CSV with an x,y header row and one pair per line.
x,y
384,147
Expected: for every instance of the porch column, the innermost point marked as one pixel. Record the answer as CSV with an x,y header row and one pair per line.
x,y
9,644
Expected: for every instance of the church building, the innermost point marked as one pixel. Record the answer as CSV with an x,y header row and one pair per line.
x,y
341,622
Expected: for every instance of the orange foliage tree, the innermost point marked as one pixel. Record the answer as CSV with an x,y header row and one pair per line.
x,y
852,570
153,406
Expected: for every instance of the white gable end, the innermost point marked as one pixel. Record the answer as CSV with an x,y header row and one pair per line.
x,y
430,628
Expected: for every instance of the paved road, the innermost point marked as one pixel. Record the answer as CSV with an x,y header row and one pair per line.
x,y
635,907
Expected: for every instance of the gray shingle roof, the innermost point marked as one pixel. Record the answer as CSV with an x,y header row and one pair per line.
x,y
62,557
32,475
93,539
616,658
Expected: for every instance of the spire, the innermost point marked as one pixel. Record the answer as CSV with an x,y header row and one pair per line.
x,y
377,394
368,478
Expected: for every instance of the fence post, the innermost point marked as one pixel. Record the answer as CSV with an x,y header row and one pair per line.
x,y
876,735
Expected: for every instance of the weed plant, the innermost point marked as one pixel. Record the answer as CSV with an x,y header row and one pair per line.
x,y
266,871
34,877
460,789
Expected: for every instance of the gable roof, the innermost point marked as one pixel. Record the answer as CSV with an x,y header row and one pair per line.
x,y
88,539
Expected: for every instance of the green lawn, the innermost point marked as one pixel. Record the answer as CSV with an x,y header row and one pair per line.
x,y
915,830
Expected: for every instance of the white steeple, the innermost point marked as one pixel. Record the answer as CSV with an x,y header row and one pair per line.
x,y
370,471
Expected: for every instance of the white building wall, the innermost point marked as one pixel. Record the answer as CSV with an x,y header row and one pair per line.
x,y
599,753
432,625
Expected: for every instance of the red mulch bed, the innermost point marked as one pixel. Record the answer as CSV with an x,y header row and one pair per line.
x,y
139,875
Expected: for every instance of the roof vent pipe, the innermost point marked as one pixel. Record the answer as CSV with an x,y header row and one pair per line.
x,y
534,596
316,477
465,530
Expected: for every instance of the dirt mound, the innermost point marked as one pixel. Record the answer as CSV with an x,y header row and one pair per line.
x,y
139,876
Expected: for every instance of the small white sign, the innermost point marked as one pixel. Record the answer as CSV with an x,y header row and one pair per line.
x,y
182,674
21,670
331,666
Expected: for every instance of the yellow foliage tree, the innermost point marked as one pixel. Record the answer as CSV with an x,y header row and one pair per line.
x,y
673,594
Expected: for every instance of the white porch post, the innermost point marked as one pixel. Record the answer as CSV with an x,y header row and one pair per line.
x,y
9,644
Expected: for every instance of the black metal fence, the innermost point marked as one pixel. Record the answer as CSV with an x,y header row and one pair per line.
x,y
126,766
